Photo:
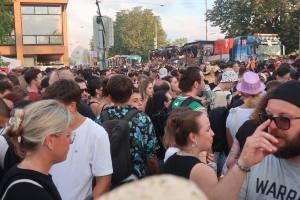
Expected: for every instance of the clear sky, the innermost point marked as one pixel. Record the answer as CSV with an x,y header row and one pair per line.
x,y
180,18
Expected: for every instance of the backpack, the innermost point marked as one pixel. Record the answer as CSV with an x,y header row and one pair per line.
x,y
217,118
185,103
119,132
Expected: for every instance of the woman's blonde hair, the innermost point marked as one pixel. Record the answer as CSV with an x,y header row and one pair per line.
x,y
30,126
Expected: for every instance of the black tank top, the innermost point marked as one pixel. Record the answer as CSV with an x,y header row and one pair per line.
x,y
180,165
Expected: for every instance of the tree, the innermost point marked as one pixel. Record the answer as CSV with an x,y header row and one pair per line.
x,y
246,17
177,42
134,32
6,22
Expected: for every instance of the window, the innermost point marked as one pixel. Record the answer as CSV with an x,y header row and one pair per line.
x,y
42,25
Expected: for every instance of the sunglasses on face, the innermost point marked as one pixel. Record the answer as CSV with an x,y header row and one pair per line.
x,y
84,90
283,123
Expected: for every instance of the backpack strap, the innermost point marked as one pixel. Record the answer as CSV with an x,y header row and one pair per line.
x,y
4,145
129,115
21,181
187,102
105,115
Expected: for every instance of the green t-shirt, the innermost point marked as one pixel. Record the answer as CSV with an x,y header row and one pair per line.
x,y
195,105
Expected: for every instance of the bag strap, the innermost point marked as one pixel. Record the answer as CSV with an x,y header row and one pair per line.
x,y
3,149
129,115
20,181
105,116
187,102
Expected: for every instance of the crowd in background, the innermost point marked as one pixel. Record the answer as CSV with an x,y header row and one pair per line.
x,y
95,130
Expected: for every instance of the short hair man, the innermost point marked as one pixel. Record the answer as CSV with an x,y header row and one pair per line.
x,y
222,93
191,84
142,136
5,88
84,90
283,73
33,78
89,156
66,74
278,175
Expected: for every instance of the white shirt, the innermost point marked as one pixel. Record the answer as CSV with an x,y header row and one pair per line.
x,y
89,156
170,152
236,118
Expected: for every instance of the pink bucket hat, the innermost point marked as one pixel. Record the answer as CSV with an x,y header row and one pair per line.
x,y
250,84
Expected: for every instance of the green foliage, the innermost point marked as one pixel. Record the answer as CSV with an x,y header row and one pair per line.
x,y
246,17
134,32
6,22
177,42
2,63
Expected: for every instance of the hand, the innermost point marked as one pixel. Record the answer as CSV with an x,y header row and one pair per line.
x,y
257,146
210,158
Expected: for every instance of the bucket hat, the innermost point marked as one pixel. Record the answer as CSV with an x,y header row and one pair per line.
x,y
229,77
250,84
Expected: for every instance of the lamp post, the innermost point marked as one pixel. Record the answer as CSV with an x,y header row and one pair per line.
x,y
299,33
206,25
101,37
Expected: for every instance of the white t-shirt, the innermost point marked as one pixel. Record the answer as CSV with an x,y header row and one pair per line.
x,y
170,152
236,118
89,156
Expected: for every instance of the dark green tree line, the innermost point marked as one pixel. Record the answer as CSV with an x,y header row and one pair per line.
x,y
6,21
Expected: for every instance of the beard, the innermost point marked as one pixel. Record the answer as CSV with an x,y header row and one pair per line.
x,y
291,148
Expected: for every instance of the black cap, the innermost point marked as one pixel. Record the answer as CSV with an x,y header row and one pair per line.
x,y
289,91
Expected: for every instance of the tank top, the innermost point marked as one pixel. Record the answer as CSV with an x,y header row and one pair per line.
x,y
180,165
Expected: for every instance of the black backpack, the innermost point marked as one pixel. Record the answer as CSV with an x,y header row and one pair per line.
x,y
119,132
217,118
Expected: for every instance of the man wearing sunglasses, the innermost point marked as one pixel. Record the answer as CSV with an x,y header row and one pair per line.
x,y
278,175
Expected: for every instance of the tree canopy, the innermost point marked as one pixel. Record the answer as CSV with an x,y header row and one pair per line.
x,y
6,22
134,32
177,42
246,17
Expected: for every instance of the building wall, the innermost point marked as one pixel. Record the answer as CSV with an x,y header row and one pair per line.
x,y
21,51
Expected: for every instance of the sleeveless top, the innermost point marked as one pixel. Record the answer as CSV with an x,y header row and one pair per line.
x,y
180,165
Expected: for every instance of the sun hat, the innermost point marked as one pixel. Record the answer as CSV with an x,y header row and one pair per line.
x,y
163,72
250,84
229,77
166,187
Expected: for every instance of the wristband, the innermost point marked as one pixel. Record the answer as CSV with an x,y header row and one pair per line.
x,y
242,168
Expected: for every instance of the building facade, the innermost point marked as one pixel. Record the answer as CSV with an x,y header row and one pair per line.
x,y
40,33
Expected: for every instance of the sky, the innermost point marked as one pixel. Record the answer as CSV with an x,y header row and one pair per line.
x,y
179,18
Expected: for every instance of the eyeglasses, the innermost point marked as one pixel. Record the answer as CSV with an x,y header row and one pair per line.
x,y
84,90
283,123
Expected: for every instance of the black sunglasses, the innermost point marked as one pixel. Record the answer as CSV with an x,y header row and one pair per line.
x,y
84,90
283,123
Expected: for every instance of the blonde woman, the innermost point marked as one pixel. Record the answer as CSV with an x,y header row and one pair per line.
x,y
251,89
41,135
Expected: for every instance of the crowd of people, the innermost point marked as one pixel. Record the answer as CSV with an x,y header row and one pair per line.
x,y
231,129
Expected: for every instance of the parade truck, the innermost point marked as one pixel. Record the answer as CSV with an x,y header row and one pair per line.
x,y
261,46
222,50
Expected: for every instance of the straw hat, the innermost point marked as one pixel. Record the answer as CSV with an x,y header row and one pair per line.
x,y
165,187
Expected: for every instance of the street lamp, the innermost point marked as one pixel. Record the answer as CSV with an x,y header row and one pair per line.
x,y
206,31
101,32
156,31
